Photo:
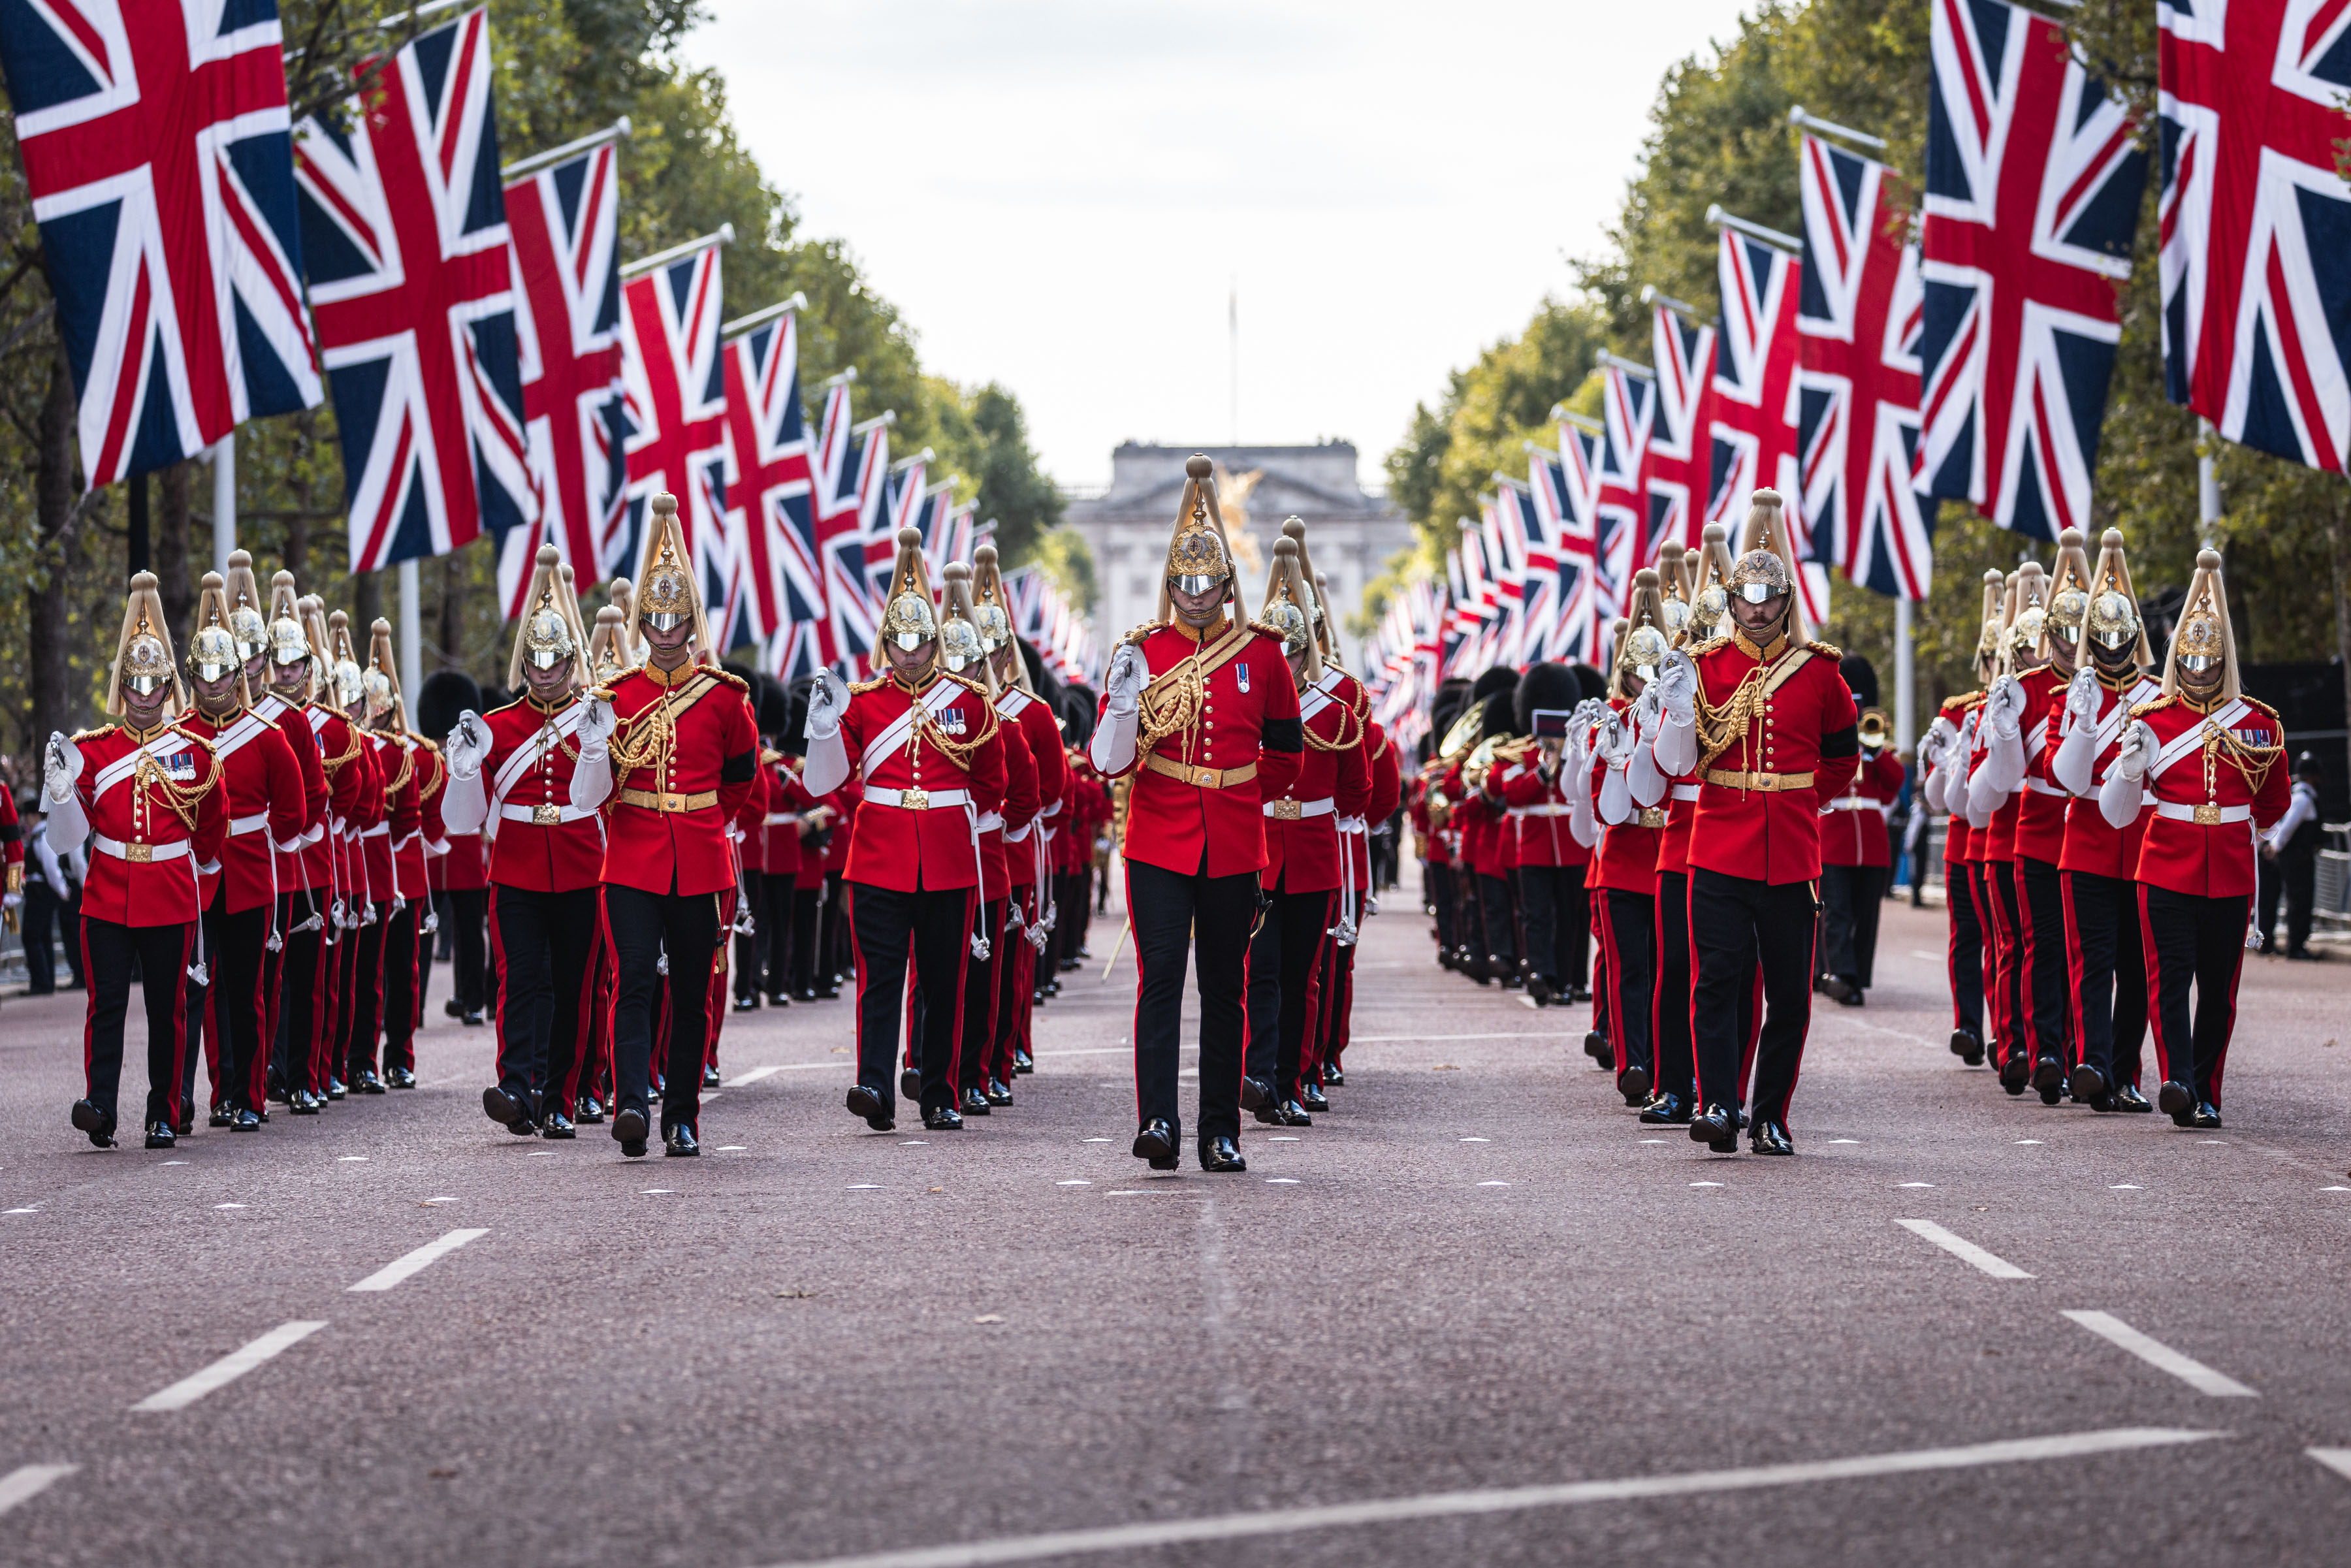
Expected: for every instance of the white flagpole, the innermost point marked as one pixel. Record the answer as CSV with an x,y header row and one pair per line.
x,y
1905,696
224,501
412,659
2207,486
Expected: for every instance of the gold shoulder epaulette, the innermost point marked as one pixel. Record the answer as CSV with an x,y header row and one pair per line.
x,y
179,727
1830,649
503,707
1140,632
1961,702
729,676
768,757
426,742
2141,710
966,682
1708,647
1263,630
2260,706
80,736
875,684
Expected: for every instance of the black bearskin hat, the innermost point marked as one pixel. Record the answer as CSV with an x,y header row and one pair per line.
x,y
1501,718
1545,687
1860,678
1500,678
444,694
1078,705
775,705
1590,681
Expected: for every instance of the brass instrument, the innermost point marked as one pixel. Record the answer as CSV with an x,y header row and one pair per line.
x,y
1466,732
1873,728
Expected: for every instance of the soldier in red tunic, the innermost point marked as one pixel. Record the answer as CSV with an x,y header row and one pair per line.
x,y
304,890
1629,798
1200,709
458,875
1763,721
1991,837
2105,961
2209,755
927,746
1856,857
1944,760
359,962
266,806
683,757
144,794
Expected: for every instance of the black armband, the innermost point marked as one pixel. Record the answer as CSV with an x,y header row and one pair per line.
x,y
10,832
1845,742
1283,735
736,769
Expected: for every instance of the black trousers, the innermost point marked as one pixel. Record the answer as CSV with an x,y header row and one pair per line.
x,y
751,951
42,907
1173,913
2194,940
547,948
364,1004
1632,979
468,950
1286,970
404,967
1966,952
1557,912
808,916
228,1010
306,968
1501,927
2293,875
1735,923
777,914
2007,969
935,926
836,951
1850,897
162,954
1437,889
976,1030
1669,1047
1469,913
643,926
2107,970
2041,977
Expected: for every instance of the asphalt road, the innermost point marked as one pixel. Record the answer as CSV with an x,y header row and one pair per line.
x,y
1476,1313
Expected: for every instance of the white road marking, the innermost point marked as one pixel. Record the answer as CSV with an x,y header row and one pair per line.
x,y
2335,1459
1391,1038
914,1142
1285,1138
444,1199
1132,1538
1705,1184
2022,1142
2322,1189
228,1206
768,1071
345,1159
1962,1248
1845,1140
230,1368
730,1148
1493,1183
1093,1140
1476,1140
708,1095
23,1211
1652,1140
1281,1181
1073,1184
655,1191
1913,1184
28,1482
864,1186
2155,1354
2126,1187
416,1262
175,1161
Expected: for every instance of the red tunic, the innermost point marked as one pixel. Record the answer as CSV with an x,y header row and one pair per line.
x,y
1183,826
1539,809
367,812
402,818
463,869
665,820
425,843
893,841
1626,857
2212,859
291,850
999,858
143,853
343,767
1853,826
2092,844
1771,835
265,803
1957,848
1333,780
538,841
2039,803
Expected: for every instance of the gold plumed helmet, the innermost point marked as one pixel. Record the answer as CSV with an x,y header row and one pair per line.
x,y
2069,595
1995,622
2028,609
961,647
2203,637
142,654
908,618
1294,527
1289,613
547,635
241,593
289,642
1766,564
666,595
1200,555
1643,644
213,649
380,680
1710,585
608,645
1674,562
350,680
2113,619
993,618
622,596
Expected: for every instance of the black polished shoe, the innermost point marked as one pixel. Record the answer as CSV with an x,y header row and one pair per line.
x,y
941,1119
1022,1062
1512,980
1157,1142
1769,1138
747,1004
473,1018
1221,1154
1257,1097
1289,1113
1313,1099
502,1107
2048,1073
780,998
302,1102
558,1125
1716,1127
2015,1073
400,1078
1579,992
866,1102
335,1088
1838,987
160,1135
997,1093
187,1124
629,1132
1634,1085
1666,1109
2178,1102
1332,1078
2207,1115
679,1145
245,1122
451,1009
98,1125
975,1102
1596,1046
910,1083
1540,991
710,1078
1852,999
2088,1086
221,1116
2127,1097
1968,1046
591,1112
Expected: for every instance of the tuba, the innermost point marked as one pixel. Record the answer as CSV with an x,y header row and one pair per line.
x,y
1873,730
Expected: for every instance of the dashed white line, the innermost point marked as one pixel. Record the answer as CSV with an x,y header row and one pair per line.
x,y
230,1368
2335,1459
423,1258
1705,1184
1962,1248
28,1482
757,1074
2158,1354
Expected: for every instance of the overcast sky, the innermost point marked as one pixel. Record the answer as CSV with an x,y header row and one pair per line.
x,y
1058,195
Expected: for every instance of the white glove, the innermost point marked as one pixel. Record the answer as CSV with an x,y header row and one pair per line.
x,y
468,745
1648,708
597,725
2138,749
2082,697
1125,679
1616,740
2122,795
60,768
1676,688
2004,708
825,706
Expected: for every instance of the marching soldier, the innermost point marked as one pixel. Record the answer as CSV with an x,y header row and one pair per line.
x,y
1356,893
142,793
1201,710
306,882
1551,861
359,971
1856,855
459,876
1944,759
2210,755
1994,768
1762,719
928,748
1628,793
682,758
2098,861
262,784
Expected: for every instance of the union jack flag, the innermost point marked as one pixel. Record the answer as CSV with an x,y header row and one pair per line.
x,y
1757,399
1504,558
565,220
676,410
852,467
1529,539
155,141
1676,466
1628,406
2254,214
404,234
2033,191
1566,486
1860,326
770,492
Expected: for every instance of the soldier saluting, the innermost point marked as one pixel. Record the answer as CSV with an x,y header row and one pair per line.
x,y
1201,710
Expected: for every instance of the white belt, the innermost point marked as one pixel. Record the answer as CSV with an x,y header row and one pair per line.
x,y
1354,825
292,846
413,834
927,799
1857,803
2043,786
380,829
777,819
252,824
991,822
1553,809
1290,811
1684,793
137,853
563,813
2178,811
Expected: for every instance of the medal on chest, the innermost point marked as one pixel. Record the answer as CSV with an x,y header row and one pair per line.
x,y
952,721
1241,675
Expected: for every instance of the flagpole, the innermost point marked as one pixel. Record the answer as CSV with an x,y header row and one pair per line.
x,y
2207,486
412,659
224,501
1906,697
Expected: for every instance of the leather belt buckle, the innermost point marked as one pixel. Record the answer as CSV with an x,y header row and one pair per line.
x,y
1288,812
547,814
1206,777
145,854
1652,817
673,804
914,800
2208,815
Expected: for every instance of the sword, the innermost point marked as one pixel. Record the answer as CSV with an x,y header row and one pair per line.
x,y
1122,935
